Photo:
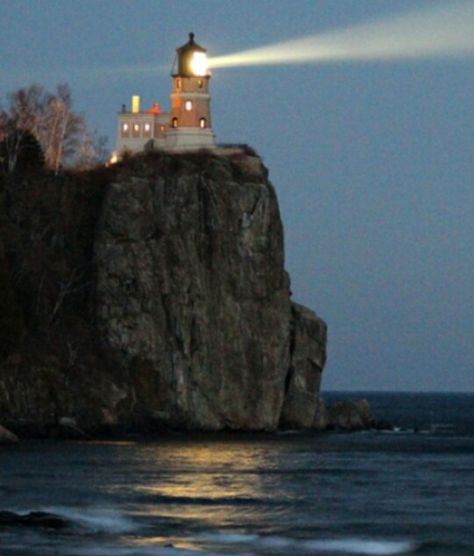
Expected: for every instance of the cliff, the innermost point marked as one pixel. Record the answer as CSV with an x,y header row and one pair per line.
x,y
152,295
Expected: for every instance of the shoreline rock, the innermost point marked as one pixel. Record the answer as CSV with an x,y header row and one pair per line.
x,y
349,415
7,437
308,336
42,520
345,416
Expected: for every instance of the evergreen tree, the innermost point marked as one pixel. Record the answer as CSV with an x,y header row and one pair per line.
x,y
25,150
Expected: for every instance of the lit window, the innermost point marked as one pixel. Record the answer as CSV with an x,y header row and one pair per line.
x,y
162,128
202,123
125,127
188,105
147,127
178,83
136,127
174,122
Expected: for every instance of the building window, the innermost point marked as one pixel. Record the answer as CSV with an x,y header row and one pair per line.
x,y
162,128
125,129
202,123
147,129
188,105
178,83
174,122
136,128
200,83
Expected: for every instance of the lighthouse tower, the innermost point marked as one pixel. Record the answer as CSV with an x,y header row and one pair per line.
x,y
190,118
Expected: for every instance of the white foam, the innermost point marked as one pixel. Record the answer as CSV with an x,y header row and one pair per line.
x,y
97,519
361,547
230,538
355,546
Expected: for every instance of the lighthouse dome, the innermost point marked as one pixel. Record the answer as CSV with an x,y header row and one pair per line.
x,y
191,59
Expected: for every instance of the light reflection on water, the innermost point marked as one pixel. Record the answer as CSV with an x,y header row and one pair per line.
x,y
195,486
265,496
226,455
217,482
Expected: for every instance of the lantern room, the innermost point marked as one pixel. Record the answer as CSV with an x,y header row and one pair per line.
x,y
191,60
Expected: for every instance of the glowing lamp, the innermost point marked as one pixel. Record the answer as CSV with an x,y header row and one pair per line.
x,y
191,60
199,64
114,158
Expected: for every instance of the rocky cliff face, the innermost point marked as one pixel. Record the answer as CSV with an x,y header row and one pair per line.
x,y
172,307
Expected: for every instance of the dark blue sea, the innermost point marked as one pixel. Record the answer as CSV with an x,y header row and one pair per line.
x,y
410,491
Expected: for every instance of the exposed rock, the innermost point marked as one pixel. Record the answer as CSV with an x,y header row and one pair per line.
x,y
302,406
154,296
382,425
67,429
43,520
67,422
350,416
7,437
320,421
191,284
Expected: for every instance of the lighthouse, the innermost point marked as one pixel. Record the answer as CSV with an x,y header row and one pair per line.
x,y
190,118
188,125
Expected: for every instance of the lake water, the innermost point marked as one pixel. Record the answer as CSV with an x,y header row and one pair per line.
x,y
371,493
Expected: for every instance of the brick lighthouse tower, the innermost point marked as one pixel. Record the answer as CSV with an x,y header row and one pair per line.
x,y
190,118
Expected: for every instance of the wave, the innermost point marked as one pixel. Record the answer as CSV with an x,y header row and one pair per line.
x,y
139,550
364,547
353,545
96,519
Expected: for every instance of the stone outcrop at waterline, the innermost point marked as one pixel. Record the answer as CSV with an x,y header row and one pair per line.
x,y
153,295
7,437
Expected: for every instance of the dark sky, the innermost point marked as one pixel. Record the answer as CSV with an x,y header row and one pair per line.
x,y
373,162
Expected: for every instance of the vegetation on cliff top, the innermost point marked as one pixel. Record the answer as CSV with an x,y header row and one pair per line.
x,y
41,126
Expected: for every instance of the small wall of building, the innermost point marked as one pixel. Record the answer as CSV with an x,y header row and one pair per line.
x,y
136,129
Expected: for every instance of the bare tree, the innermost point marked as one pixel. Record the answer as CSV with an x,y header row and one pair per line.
x,y
62,133
64,129
27,108
11,138
91,151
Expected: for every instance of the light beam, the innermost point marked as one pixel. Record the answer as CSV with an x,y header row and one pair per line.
x,y
443,31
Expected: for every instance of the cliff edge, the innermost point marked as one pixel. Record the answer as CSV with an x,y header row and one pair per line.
x,y
152,295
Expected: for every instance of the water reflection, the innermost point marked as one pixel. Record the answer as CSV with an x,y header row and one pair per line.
x,y
207,482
